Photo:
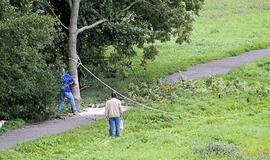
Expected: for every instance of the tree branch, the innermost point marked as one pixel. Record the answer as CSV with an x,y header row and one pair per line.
x,y
56,15
69,3
131,5
105,20
143,1
153,6
91,26
58,19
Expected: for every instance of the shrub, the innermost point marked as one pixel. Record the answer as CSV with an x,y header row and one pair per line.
x,y
215,148
28,82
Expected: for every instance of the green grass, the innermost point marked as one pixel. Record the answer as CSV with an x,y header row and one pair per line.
x,y
224,28
16,123
204,125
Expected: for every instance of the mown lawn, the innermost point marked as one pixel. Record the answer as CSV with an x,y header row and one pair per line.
x,y
223,117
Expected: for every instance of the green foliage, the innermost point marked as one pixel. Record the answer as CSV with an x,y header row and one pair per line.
x,y
6,11
216,86
28,74
111,45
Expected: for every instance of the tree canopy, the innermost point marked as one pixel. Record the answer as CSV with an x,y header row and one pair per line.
x,y
124,25
34,36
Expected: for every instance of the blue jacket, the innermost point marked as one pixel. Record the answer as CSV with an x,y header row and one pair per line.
x,y
66,80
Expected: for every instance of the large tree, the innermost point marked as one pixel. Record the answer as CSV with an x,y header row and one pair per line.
x,y
97,25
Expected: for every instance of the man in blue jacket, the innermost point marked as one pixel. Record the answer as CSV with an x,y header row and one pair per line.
x,y
66,92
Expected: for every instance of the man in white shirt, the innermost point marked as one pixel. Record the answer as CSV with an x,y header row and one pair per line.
x,y
113,113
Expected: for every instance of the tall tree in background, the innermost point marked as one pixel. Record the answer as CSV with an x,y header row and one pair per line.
x,y
97,25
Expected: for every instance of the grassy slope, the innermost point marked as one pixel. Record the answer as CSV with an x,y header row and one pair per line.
x,y
224,28
229,127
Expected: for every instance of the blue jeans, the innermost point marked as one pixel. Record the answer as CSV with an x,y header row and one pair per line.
x,y
71,100
115,120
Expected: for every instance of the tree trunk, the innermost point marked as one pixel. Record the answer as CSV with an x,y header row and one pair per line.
x,y
72,42
72,49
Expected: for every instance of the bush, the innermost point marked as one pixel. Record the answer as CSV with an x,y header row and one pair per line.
x,y
215,148
28,82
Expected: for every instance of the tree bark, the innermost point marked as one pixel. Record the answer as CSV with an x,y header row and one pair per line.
x,y
72,49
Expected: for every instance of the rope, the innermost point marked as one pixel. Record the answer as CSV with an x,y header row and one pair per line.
x,y
79,63
170,88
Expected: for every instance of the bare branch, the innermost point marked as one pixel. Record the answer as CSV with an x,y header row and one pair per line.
x,y
91,26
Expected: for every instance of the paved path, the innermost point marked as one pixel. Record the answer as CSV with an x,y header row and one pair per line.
x,y
216,67
50,127
34,131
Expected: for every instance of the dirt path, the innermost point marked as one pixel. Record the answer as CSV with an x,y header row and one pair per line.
x,y
31,132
